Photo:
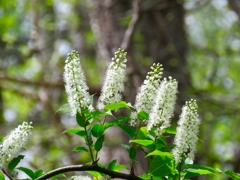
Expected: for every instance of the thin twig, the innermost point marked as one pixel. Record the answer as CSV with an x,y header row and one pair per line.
x,y
6,173
93,167
132,25
28,82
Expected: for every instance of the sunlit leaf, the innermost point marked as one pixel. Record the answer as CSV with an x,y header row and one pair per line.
x,y
112,164
119,167
143,133
232,174
142,115
167,155
169,130
144,142
196,166
118,105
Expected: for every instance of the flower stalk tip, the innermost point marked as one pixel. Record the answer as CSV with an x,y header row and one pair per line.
x,y
163,108
147,92
75,84
14,142
114,80
187,132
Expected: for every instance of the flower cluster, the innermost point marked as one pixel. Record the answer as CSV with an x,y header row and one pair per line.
x,y
80,177
114,80
75,84
164,105
147,92
187,131
14,143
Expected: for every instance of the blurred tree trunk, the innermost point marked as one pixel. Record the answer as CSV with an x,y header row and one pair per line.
x,y
163,37
2,120
157,28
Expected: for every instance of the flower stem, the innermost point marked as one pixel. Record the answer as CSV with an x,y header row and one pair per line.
x,y
6,173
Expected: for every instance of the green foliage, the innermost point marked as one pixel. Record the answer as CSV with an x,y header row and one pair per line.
x,y
2,176
118,105
142,115
98,130
14,162
232,174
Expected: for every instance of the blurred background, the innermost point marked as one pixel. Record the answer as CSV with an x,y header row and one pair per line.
x,y
197,41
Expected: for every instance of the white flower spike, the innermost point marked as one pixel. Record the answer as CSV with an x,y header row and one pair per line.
x,y
163,109
187,132
14,142
147,92
114,80
75,84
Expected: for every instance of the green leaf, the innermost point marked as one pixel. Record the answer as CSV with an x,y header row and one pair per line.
x,y
77,132
72,131
80,120
161,166
97,130
99,143
2,177
196,170
64,107
112,164
80,148
161,142
166,155
169,130
196,166
148,176
97,175
118,105
142,115
119,167
232,174
116,122
144,142
14,162
132,153
82,134
97,114
38,173
143,133
127,129
27,171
